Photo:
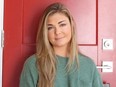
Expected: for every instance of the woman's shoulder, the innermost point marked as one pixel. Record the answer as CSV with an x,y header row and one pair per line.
x,y
29,74
86,66
85,60
30,61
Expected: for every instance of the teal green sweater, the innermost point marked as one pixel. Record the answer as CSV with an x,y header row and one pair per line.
x,y
86,76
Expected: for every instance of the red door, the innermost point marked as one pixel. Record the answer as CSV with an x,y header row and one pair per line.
x,y
21,23
107,30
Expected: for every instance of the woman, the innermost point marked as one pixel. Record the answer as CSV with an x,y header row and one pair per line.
x,y
57,62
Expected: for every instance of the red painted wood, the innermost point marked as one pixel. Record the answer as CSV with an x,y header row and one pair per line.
x,y
12,61
84,12
21,23
90,51
107,30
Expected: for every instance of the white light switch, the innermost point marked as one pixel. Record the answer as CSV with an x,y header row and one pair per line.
x,y
107,44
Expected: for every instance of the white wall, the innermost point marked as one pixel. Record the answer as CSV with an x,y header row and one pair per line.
x,y
1,31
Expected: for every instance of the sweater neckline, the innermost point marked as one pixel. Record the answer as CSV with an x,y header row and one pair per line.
x,y
62,57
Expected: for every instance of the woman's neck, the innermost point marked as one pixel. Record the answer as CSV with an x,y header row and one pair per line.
x,y
62,51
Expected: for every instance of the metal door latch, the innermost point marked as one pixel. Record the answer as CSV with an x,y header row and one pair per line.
x,y
107,66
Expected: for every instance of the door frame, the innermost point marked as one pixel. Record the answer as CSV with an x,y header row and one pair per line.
x,y
1,38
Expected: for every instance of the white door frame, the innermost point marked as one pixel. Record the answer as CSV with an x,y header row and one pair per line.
x,y
1,38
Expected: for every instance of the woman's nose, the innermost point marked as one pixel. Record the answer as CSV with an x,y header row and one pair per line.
x,y
57,30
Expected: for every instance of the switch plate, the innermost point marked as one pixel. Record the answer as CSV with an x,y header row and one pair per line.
x,y
108,65
106,85
107,44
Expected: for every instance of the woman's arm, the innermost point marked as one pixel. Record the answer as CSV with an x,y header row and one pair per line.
x,y
29,75
97,81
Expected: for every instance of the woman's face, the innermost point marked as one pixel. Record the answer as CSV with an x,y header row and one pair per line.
x,y
59,30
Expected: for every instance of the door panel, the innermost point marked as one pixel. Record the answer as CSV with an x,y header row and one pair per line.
x,y
92,53
84,12
21,22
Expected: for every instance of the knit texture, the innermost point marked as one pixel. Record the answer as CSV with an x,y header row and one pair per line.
x,y
86,76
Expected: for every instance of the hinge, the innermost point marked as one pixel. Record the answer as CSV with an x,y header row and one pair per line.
x,y
2,38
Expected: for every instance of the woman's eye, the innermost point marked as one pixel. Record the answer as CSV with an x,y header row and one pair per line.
x,y
62,25
49,28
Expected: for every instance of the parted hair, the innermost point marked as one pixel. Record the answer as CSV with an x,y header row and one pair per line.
x,y
46,58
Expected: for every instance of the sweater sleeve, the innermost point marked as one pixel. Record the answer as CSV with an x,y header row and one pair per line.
x,y
29,75
97,81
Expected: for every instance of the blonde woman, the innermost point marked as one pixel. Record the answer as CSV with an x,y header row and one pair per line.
x,y
57,62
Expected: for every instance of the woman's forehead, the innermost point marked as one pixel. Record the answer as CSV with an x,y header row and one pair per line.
x,y
57,17
58,12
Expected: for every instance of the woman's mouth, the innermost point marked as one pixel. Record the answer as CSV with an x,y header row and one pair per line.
x,y
59,38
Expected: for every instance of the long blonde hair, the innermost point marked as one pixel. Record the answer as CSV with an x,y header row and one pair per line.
x,y
46,58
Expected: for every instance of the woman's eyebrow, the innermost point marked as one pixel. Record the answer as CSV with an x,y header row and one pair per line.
x,y
58,22
61,21
49,24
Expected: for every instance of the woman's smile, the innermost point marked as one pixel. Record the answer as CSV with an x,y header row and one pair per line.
x,y
59,38
59,30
